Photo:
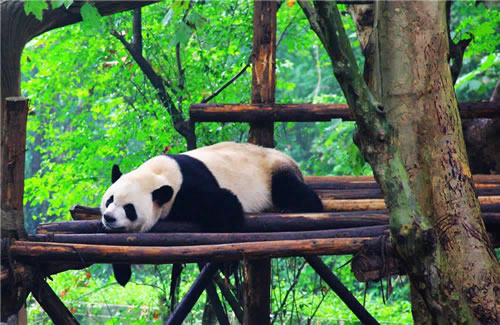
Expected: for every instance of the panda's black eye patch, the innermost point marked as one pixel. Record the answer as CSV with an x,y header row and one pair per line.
x,y
109,201
130,212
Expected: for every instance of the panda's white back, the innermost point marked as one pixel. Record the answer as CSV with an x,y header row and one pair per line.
x,y
246,170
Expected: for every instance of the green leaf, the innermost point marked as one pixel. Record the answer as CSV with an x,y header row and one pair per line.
x,y
168,17
57,3
179,6
35,7
182,35
90,15
196,19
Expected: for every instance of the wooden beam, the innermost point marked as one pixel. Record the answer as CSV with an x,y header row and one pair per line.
x,y
271,112
268,112
62,253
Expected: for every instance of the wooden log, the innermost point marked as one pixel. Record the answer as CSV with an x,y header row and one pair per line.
x,y
61,253
269,222
270,112
13,117
192,239
477,179
490,202
51,304
266,222
79,212
191,297
470,110
95,226
338,287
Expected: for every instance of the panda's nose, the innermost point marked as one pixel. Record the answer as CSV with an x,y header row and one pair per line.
x,y
109,219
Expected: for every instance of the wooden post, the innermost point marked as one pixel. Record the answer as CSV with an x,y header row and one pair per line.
x,y
257,304
263,67
13,117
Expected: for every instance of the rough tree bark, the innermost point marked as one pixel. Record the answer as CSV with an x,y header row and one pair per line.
x,y
415,146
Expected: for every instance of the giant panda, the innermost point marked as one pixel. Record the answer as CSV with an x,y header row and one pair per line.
x,y
212,186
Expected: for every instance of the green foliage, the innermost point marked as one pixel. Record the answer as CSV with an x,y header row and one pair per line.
x,y
35,7
481,65
90,16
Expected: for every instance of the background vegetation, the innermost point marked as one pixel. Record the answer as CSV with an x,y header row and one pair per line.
x,y
92,106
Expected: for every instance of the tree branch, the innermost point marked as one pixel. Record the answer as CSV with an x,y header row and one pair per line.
x,y
457,50
137,30
224,86
184,127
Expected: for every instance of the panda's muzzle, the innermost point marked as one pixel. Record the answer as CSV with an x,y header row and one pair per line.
x,y
108,218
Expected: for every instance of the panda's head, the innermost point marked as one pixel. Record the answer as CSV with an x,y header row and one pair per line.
x,y
136,200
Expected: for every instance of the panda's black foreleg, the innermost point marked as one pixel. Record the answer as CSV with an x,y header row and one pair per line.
x,y
220,211
122,273
290,194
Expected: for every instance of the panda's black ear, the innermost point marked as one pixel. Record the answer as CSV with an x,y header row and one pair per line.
x,y
115,173
162,195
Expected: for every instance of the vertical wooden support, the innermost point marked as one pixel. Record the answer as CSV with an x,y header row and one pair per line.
x,y
263,67
13,117
257,306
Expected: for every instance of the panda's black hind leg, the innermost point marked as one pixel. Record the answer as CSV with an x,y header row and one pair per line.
x,y
292,195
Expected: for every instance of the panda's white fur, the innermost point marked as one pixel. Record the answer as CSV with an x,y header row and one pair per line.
x,y
245,170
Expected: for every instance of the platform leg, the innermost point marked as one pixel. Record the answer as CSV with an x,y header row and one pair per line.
x,y
347,297
187,303
51,303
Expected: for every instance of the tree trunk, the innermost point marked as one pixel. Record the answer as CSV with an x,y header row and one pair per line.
x,y
460,281
415,146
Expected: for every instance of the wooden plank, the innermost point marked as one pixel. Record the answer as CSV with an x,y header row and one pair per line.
x,y
271,112
61,253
